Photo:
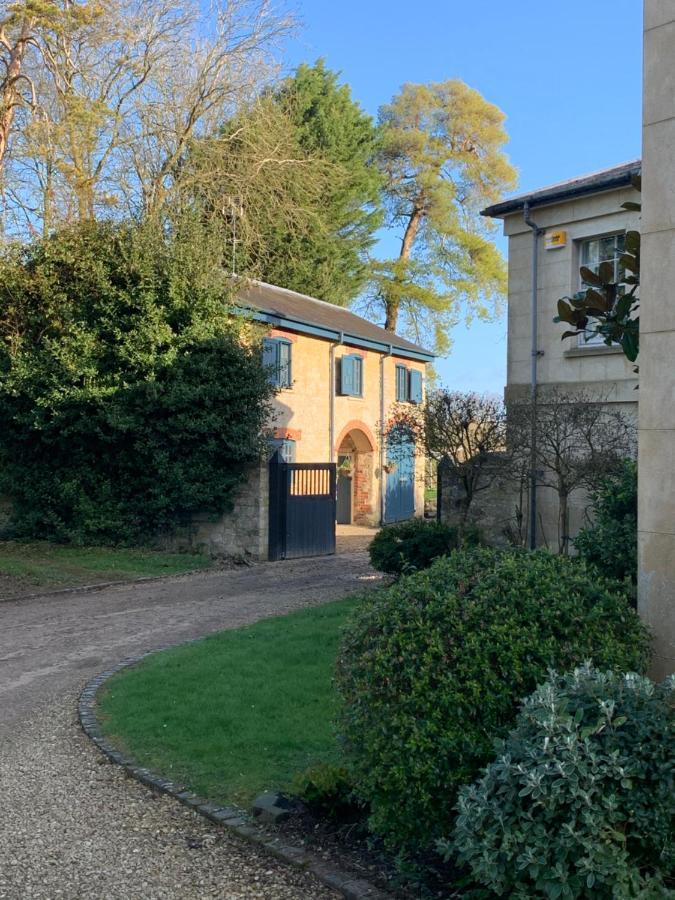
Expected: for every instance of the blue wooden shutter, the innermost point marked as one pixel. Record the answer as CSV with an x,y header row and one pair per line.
x,y
284,363
270,361
415,386
347,375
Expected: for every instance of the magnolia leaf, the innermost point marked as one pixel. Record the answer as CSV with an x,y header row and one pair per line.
x,y
606,272
589,276
629,261
631,346
632,241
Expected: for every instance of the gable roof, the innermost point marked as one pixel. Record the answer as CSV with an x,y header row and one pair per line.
x,y
298,312
604,180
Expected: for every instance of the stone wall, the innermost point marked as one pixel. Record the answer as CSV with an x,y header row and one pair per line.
x,y
497,510
501,510
241,534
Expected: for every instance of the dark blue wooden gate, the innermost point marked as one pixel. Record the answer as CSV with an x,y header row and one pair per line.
x,y
302,509
399,501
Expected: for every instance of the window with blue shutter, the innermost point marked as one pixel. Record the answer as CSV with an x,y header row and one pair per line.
x,y
277,361
415,386
351,375
402,385
285,447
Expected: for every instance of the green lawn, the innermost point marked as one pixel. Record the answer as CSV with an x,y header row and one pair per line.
x,y
236,713
44,565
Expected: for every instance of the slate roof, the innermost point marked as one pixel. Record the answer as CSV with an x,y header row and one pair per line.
x,y
604,180
336,321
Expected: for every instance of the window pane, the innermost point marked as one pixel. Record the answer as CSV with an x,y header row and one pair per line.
x,y
401,383
358,376
284,363
590,254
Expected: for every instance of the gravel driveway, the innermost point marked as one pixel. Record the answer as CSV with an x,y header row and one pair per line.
x,y
73,826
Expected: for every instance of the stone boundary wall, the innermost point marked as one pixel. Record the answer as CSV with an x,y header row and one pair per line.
x,y
494,510
501,510
240,534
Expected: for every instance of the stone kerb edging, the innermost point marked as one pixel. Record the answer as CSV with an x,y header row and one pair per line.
x,y
235,820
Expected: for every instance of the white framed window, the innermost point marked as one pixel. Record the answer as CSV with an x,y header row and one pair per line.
x,y
593,252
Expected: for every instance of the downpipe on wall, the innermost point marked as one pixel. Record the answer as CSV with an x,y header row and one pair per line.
x,y
332,378
382,441
534,359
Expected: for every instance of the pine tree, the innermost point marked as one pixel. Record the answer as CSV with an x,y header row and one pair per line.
x,y
329,260
442,159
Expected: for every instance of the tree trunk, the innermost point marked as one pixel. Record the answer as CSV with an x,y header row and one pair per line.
x,y
9,94
563,524
393,304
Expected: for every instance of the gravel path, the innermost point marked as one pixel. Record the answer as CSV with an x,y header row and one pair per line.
x,y
72,826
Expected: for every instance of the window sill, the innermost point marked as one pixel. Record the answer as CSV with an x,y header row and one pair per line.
x,y
597,350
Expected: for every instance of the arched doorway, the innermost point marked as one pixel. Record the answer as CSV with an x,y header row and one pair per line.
x,y
399,502
355,473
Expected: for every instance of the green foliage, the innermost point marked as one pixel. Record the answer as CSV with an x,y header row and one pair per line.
x,y
331,261
128,399
610,542
405,547
606,307
433,668
308,216
442,159
580,801
328,791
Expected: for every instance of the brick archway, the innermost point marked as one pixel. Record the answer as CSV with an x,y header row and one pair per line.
x,y
357,442
361,434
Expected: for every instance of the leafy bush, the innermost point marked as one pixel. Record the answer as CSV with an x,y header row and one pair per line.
x,y
581,799
610,542
409,546
328,791
127,398
432,669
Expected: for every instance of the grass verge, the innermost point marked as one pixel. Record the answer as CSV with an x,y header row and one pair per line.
x,y
25,567
237,713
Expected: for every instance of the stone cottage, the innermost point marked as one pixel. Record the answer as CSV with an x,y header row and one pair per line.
x,y
337,377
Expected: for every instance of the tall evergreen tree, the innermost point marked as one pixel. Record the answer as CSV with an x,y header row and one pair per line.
x,y
329,260
442,159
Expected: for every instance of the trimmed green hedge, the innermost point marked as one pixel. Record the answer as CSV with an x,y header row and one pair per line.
x,y
128,398
432,669
407,547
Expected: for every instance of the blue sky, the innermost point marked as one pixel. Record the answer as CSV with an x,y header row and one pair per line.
x,y
568,76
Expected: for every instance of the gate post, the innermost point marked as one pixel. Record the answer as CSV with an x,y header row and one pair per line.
x,y
277,524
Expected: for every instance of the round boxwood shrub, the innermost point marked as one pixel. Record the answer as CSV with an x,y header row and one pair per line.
x,y
581,799
432,669
409,546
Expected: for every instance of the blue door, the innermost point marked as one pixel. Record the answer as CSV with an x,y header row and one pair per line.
x,y
399,503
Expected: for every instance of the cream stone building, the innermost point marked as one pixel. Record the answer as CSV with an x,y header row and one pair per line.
x,y
551,233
